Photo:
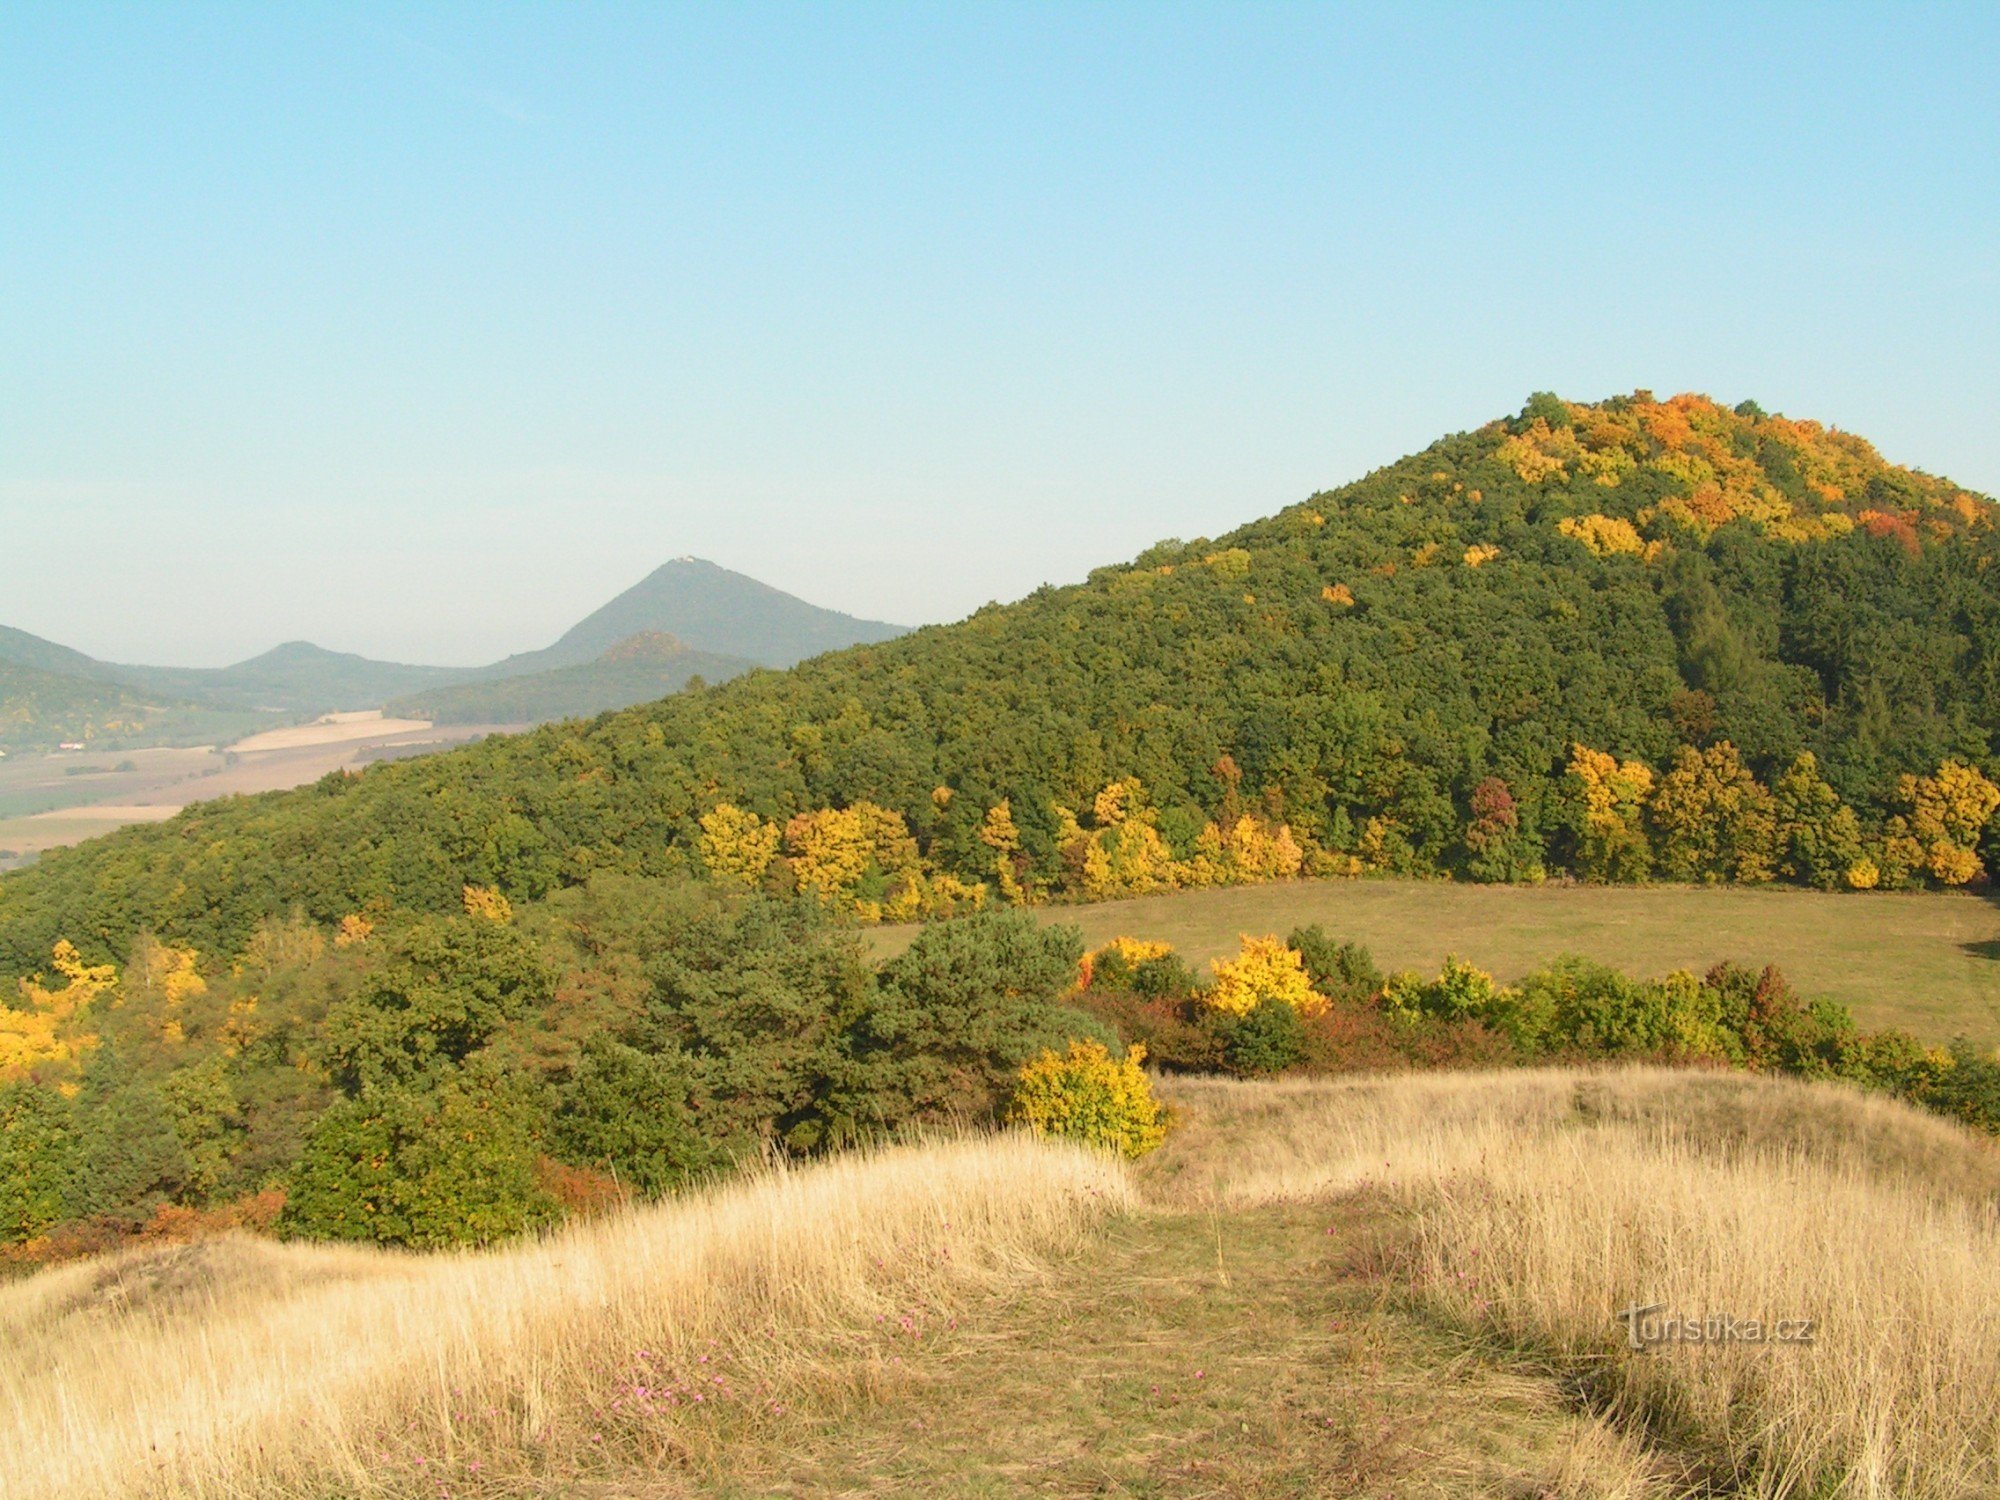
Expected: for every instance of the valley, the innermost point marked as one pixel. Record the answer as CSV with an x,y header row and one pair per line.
x,y
49,801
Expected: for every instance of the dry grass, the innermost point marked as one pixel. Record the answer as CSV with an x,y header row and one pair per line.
x,y
1546,1202
247,1369
1400,1285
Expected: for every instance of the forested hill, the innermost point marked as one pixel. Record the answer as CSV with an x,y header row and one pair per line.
x,y
1633,639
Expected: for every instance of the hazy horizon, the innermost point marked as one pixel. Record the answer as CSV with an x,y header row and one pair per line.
x,y
422,333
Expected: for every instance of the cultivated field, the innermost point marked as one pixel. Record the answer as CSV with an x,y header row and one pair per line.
x,y
1927,961
49,801
1403,1286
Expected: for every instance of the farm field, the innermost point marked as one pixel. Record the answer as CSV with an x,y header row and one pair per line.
x,y
50,801
1925,961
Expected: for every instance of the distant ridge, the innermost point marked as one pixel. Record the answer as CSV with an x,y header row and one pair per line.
x,y
296,677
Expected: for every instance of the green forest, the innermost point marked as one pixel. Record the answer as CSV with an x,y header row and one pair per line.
x,y
447,998
1623,641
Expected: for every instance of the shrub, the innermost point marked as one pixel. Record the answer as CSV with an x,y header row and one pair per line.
x,y
1116,965
1269,1038
1337,970
454,1165
1265,970
1164,977
1177,1034
627,1112
1087,1095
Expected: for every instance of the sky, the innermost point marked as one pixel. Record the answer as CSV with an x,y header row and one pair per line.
x,y
420,331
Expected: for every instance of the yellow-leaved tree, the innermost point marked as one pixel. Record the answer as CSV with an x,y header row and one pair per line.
x,y
1124,854
1265,969
1948,811
999,834
737,846
160,982
1245,850
862,859
1611,843
484,904
50,1026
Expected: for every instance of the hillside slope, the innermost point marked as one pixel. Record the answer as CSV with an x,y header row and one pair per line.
x,y
1399,671
297,677
20,649
633,671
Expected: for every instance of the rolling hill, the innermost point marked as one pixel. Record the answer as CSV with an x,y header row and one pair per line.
x,y
1589,638
52,695
296,678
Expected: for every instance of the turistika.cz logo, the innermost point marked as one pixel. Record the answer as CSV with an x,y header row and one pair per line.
x,y
1649,1327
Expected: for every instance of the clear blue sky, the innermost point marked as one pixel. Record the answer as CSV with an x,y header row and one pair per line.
x,y
420,331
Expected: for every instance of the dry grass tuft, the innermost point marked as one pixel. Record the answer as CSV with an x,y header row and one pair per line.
x,y
240,1368
1549,1201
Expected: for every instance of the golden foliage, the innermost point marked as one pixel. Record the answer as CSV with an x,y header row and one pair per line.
x,y
46,1029
1338,595
832,850
352,929
1614,845
1480,555
1607,536
1948,811
1265,969
999,834
1132,952
737,846
1245,851
158,985
1089,1096
484,904
1541,453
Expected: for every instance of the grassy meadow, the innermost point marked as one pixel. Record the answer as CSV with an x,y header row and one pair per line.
x,y
1373,1286
1925,961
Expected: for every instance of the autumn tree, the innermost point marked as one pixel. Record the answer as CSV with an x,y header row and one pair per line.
x,y
49,1027
1818,837
737,846
1712,819
1497,847
1611,841
1263,970
1948,811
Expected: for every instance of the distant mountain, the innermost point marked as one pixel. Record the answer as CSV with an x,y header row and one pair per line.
x,y
706,608
689,618
646,666
297,677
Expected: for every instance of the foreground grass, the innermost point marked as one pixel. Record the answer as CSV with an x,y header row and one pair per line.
x,y
1542,1203
1399,1286
632,1343
1925,961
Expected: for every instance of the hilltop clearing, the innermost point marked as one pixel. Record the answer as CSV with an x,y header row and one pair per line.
x,y
1368,1287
